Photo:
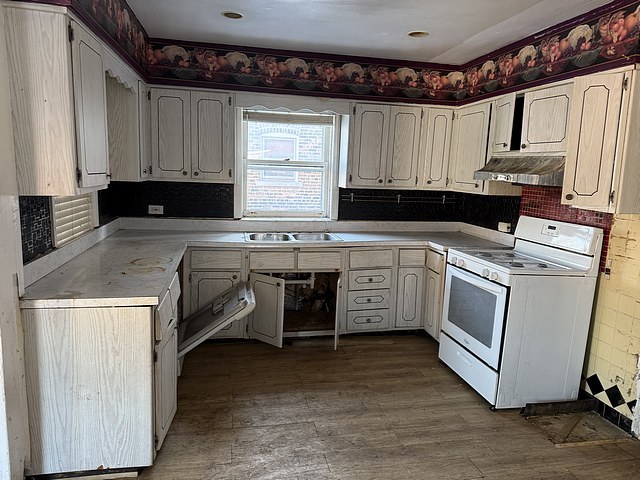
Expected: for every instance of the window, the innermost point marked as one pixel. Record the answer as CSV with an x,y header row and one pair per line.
x,y
288,162
72,217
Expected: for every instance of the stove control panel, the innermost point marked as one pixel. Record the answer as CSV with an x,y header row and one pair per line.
x,y
479,269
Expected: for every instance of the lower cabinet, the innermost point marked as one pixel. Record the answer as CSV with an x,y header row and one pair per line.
x,y
434,293
410,297
166,383
204,287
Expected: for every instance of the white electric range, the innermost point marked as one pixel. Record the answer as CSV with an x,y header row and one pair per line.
x,y
515,322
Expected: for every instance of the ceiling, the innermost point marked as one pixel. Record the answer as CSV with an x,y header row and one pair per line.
x,y
459,30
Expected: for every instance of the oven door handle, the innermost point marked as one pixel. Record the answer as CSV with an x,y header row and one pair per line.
x,y
453,271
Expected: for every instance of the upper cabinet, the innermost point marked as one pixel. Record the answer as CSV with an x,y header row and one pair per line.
x,y
192,135
545,119
602,170
435,146
502,123
58,96
385,146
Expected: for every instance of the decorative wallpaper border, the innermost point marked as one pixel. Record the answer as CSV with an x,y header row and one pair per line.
x,y
603,38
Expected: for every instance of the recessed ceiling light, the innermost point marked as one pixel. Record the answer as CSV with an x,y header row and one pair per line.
x,y
417,33
232,15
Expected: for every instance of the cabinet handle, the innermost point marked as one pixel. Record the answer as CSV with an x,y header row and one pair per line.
x,y
184,172
524,145
235,277
370,280
379,180
195,174
368,300
389,181
429,182
368,320
569,196
505,145
476,185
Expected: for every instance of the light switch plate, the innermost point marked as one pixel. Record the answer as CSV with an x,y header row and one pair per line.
x,y
156,209
504,227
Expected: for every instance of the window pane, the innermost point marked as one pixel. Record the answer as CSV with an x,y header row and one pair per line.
x,y
292,141
285,189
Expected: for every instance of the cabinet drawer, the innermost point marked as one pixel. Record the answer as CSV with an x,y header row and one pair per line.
x,y
435,261
368,279
216,260
371,258
275,261
164,315
324,261
413,257
368,299
368,320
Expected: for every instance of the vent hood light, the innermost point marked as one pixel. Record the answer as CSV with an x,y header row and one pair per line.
x,y
232,15
417,33
526,170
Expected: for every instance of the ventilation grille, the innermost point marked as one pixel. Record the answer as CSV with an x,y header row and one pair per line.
x,y
72,218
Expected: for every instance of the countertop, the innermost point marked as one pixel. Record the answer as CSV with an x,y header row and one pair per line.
x,y
134,267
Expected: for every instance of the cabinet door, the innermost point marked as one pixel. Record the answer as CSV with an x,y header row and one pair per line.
x,y
211,136
436,141
546,119
166,384
593,134
502,123
144,115
404,146
266,323
122,125
409,301
469,147
205,286
89,85
370,142
433,314
170,133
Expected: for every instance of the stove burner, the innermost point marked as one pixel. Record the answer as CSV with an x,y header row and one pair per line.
x,y
516,264
485,254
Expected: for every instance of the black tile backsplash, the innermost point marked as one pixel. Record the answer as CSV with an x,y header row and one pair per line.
x,y
35,226
207,200
179,199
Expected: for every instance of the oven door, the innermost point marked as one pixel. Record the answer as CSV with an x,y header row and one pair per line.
x,y
473,313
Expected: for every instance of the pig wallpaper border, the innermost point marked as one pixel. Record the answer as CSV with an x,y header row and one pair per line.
x,y
601,39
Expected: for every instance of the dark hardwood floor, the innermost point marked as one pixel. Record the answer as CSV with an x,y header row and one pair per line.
x,y
380,407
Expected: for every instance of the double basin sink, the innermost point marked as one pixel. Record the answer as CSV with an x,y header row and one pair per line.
x,y
292,237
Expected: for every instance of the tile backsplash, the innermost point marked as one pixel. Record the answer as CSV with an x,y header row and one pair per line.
x,y
35,226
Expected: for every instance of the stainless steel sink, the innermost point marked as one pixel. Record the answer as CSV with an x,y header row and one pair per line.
x,y
316,237
268,237
286,237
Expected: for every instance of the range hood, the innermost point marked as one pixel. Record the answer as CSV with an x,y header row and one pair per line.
x,y
526,170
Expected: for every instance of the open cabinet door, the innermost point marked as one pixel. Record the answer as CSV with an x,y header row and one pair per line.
x,y
231,305
267,321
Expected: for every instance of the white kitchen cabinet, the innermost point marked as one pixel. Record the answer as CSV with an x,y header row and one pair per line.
x,y
502,123
410,297
192,135
469,146
267,321
435,146
385,146
204,287
602,170
58,97
434,293
144,129
545,120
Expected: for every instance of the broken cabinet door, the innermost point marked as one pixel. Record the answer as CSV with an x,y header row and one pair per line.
x,y
267,321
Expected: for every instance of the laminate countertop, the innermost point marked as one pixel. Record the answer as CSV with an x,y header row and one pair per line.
x,y
134,267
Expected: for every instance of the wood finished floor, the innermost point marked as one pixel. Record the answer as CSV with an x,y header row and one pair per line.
x,y
380,407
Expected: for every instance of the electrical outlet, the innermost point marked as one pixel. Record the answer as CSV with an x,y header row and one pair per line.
x,y
156,209
504,227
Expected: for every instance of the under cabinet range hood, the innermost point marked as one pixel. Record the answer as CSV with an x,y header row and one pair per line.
x,y
527,170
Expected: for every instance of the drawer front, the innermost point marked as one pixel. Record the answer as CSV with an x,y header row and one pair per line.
x,y
164,315
275,261
371,258
368,320
322,261
413,257
216,260
482,378
435,261
369,279
368,299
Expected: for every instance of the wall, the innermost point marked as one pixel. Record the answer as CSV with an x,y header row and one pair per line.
x,y
611,367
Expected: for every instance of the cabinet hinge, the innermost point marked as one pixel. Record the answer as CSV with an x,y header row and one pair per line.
x,y
150,169
78,174
354,110
155,440
422,114
230,173
612,195
229,100
72,33
416,180
155,357
246,328
149,95
190,278
453,117
625,83
350,178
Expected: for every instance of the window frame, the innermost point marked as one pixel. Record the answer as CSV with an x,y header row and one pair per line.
x,y
330,167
